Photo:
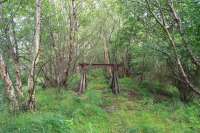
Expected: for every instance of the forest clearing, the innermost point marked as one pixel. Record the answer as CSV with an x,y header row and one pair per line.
x,y
99,66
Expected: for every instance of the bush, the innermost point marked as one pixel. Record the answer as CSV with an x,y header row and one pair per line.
x,y
74,81
127,84
37,122
158,88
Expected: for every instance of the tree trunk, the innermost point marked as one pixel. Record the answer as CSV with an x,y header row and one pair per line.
x,y
181,32
179,63
127,62
15,56
107,58
72,38
10,92
13,51
184,77
31,79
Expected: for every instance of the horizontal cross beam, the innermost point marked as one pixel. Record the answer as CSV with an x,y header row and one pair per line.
x,y
100,65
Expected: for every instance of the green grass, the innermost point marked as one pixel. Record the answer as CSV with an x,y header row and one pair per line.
x,y
135,110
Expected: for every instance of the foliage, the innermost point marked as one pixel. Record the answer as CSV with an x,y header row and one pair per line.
x,y
97,111
115,31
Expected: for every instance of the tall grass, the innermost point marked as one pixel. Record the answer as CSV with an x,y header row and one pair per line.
x,y
99,111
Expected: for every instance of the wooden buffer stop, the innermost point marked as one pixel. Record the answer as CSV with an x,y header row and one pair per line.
x,y
114,78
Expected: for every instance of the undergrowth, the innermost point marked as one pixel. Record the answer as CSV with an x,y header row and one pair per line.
x,y
137,109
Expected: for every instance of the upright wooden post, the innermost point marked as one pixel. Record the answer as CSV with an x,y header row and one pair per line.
x,y
114,82
83,83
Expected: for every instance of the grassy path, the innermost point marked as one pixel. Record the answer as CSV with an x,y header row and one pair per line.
x,y
99,111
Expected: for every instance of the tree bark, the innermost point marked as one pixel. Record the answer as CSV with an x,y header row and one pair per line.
x,y
107,57
15,56
181,32
13,50
10,92
31,79
72,38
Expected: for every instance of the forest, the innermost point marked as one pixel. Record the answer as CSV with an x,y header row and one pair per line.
x,y
99,66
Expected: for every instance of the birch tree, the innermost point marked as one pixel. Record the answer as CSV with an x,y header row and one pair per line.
x,y
10,91
182,75
15,57
72,36
36,46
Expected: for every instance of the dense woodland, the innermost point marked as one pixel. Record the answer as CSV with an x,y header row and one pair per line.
x,y
99,66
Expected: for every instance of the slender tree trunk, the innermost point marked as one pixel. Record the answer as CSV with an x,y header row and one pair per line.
x,y
107,58
72,38
15,56
13,51
10,92
181,32
162,23
127,61
31,79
